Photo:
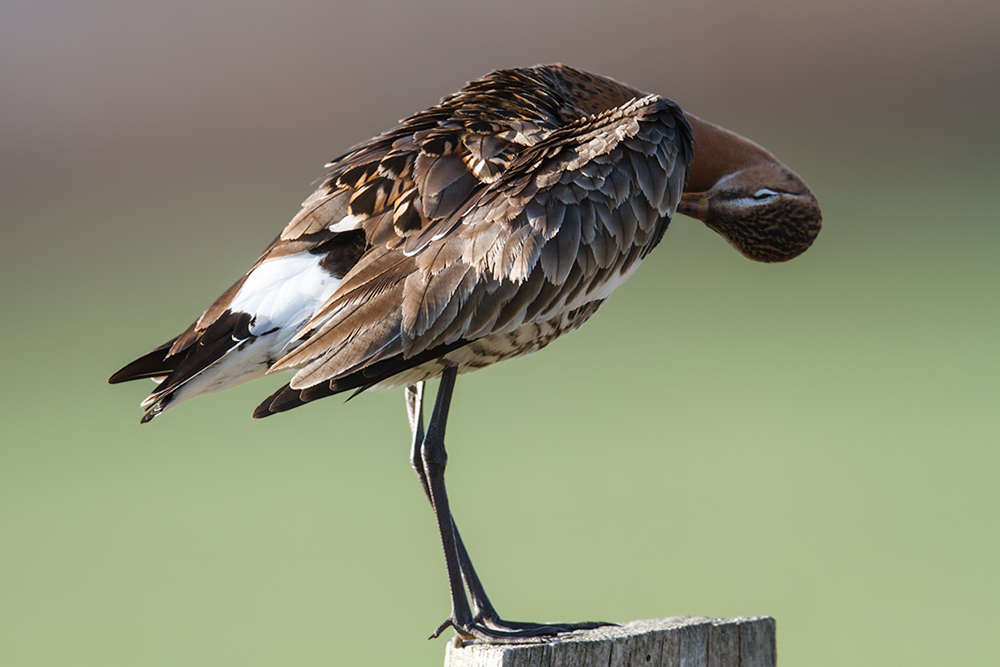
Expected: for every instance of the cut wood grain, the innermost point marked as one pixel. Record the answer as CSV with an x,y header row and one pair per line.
x,y
690,641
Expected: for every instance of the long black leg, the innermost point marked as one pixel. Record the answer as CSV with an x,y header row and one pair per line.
x,y
429,459
434,459
481,605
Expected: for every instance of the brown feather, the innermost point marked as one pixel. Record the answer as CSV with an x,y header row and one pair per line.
x,y
480,224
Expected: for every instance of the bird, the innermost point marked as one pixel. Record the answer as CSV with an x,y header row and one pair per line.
x,y
475,231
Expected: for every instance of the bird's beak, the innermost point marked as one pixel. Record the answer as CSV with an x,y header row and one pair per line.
x,y
694,204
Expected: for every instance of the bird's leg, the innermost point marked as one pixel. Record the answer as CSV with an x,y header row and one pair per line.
x,y
481,605
433,459
429,459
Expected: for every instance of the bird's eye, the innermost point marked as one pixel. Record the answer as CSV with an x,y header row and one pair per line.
x,y
764,193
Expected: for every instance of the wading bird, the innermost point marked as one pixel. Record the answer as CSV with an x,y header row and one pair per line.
x,y
476,231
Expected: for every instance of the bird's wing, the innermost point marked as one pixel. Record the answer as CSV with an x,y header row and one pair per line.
x,y
376,196
583,202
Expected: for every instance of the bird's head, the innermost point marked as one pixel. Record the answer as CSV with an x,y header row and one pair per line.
x,y
742,192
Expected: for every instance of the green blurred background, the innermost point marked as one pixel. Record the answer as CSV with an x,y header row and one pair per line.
x,y
817,441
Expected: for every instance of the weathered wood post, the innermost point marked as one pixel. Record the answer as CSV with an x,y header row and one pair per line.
x,y
690,641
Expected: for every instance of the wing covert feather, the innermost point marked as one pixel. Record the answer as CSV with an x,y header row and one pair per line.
x,y
508,234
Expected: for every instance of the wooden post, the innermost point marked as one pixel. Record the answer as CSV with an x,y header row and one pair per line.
x,y
690,641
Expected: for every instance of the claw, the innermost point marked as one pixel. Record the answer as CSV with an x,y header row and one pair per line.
x,y
441,628
494,630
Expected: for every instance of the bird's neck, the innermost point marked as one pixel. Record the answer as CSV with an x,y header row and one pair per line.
x,y
719,153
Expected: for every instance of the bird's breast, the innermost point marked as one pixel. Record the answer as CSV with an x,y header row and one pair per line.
x,y
497,347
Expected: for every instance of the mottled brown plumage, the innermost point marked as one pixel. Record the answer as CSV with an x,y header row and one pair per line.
x,y
521,201
548,234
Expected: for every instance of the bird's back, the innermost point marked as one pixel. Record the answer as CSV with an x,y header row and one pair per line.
x,y
475,231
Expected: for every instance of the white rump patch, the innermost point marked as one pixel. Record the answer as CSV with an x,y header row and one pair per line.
x,y
281,294
284,293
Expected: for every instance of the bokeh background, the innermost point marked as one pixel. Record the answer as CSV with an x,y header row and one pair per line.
x,y
817,441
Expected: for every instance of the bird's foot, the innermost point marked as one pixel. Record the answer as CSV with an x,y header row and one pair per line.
x,y
494,630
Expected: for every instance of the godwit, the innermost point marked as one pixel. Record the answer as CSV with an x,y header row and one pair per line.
x,y
476,231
